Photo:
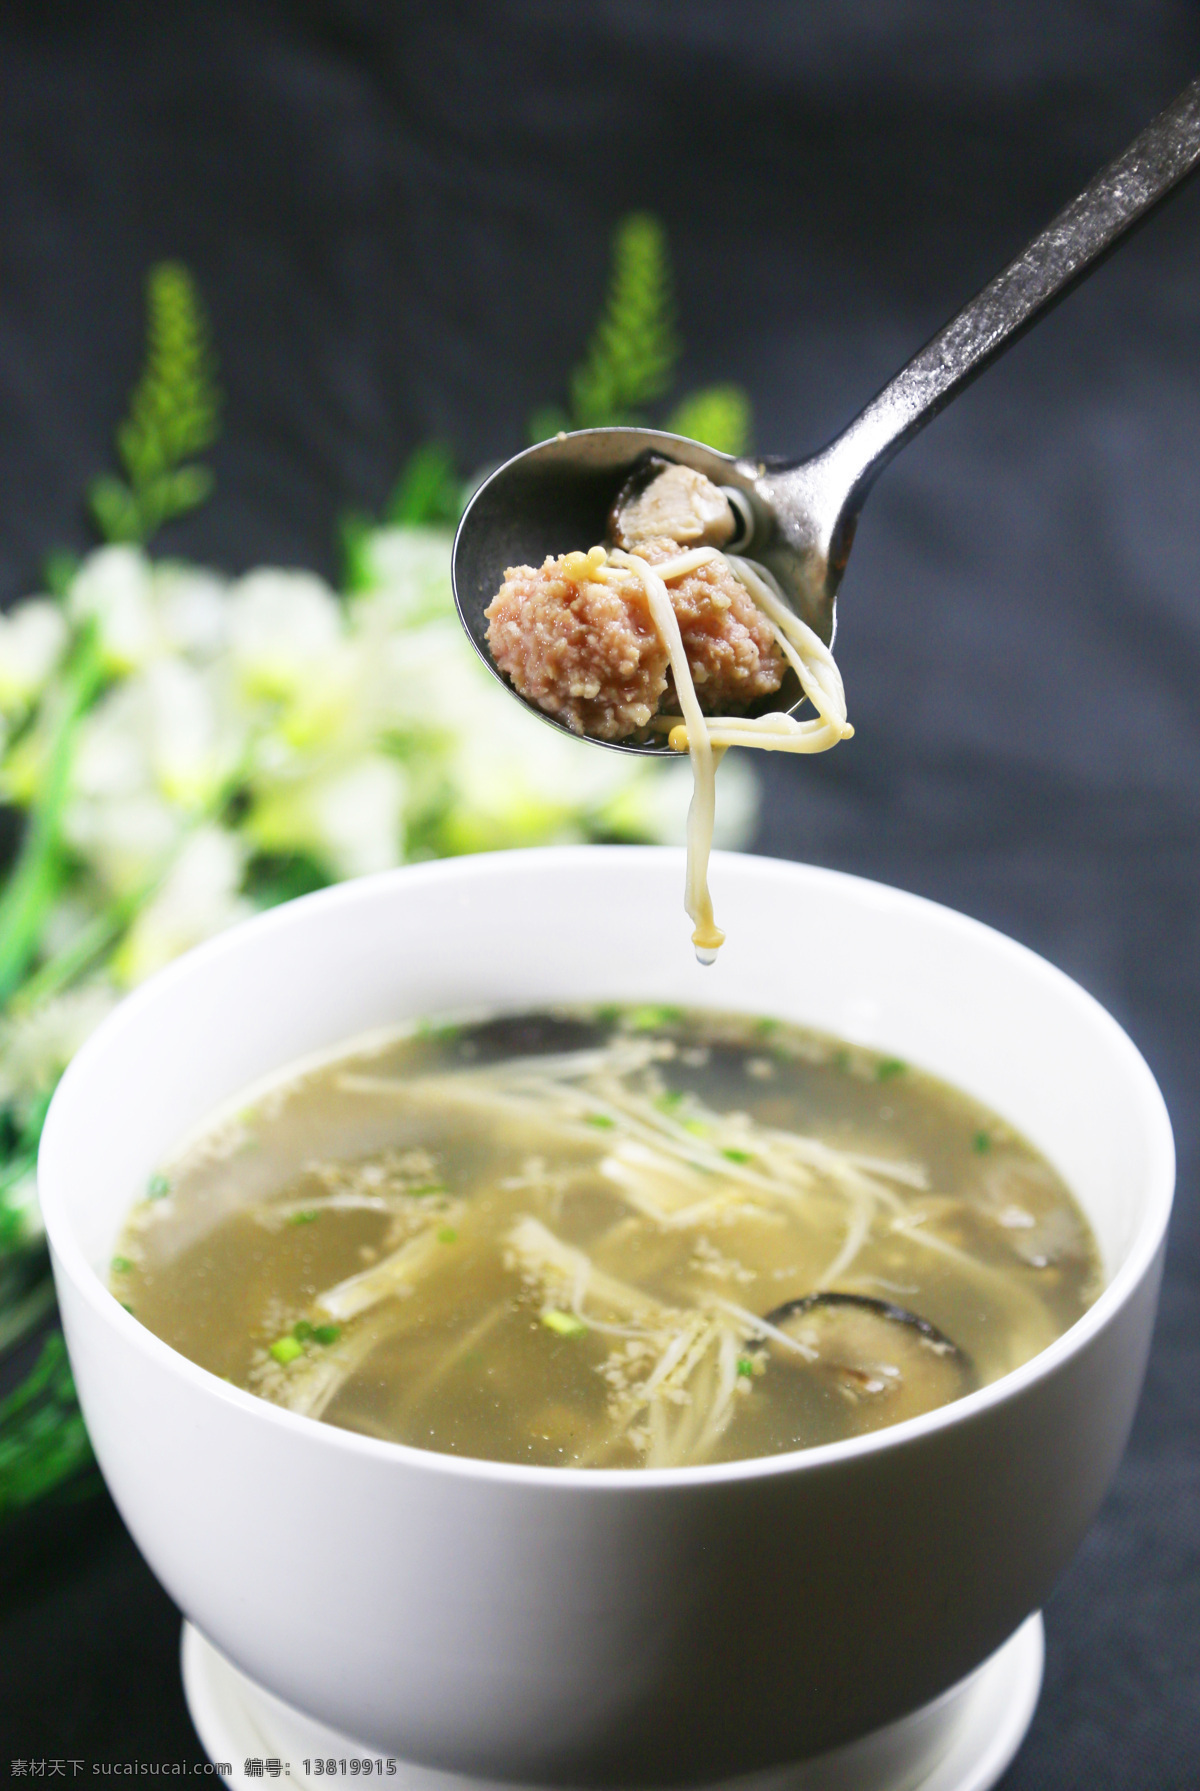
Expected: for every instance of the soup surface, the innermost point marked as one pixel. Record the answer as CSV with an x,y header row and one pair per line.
x,y
608,1238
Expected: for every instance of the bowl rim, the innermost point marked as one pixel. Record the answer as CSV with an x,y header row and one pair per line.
x,y
71,1261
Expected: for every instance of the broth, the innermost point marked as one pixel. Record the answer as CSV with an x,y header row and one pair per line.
x,y
608,1238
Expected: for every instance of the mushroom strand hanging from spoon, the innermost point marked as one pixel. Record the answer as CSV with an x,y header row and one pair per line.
x,y
604,641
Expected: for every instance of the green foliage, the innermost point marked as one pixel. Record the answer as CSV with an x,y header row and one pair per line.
x,y
21,1251
58,570
43,1442
629,363
428,493
13,1222
547,421
33,882
173,415
630,360
272,878
354,529
719,417
428,490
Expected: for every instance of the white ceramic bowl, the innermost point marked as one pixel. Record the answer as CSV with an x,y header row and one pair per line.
x,y
578,1627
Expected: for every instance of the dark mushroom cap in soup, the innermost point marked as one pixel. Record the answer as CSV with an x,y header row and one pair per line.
x,y
869,1351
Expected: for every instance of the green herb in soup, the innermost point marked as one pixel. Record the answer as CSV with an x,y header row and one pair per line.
x,y
608,1238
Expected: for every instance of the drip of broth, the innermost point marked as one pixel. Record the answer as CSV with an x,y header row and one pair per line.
x,y
608,1238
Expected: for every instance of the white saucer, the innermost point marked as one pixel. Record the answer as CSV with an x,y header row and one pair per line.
x,y
962,1741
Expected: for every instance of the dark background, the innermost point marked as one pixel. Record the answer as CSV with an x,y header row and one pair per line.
x,y
399,216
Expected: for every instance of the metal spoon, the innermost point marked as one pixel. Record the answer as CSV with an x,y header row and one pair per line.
x,y
799,517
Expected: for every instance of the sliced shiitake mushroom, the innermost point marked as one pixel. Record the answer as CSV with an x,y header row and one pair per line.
x,y
661,498
870,1352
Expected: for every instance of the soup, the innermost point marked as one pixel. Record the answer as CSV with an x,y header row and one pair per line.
x,y
608,1238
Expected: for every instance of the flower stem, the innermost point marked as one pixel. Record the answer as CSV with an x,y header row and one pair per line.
x,y
88,944
106,928
37,874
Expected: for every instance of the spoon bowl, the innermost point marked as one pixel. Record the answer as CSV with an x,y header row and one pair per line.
x,y
557,496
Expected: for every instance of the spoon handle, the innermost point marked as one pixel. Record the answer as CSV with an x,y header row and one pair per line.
x,y
1082,234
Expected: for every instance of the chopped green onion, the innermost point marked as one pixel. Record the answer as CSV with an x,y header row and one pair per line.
x,y
565,1323
157,1188
667,1103
601,1121
121,1265
738,1156
981,1143
286,1349
302,1330
440,1033
326,1334
648,1019
695,1126
745,1367
303,1218
447,1235
127,1307
766,1026
425,1189
888,1067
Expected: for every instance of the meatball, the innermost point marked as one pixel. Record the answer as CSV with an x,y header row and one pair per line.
x,y
731,650
588,652
583,651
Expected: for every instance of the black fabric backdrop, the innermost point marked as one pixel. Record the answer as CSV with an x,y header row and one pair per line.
x,y
399,216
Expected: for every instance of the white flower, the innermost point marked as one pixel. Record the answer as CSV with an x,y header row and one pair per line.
x,y
69,918
115,586
116,817
156,750
193,609
282,627
351,817
111,756
515,779
332,705
194,739
409,569
144,611
32,639
35,1047
430,676
199,897
273,683
125,839
360,816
